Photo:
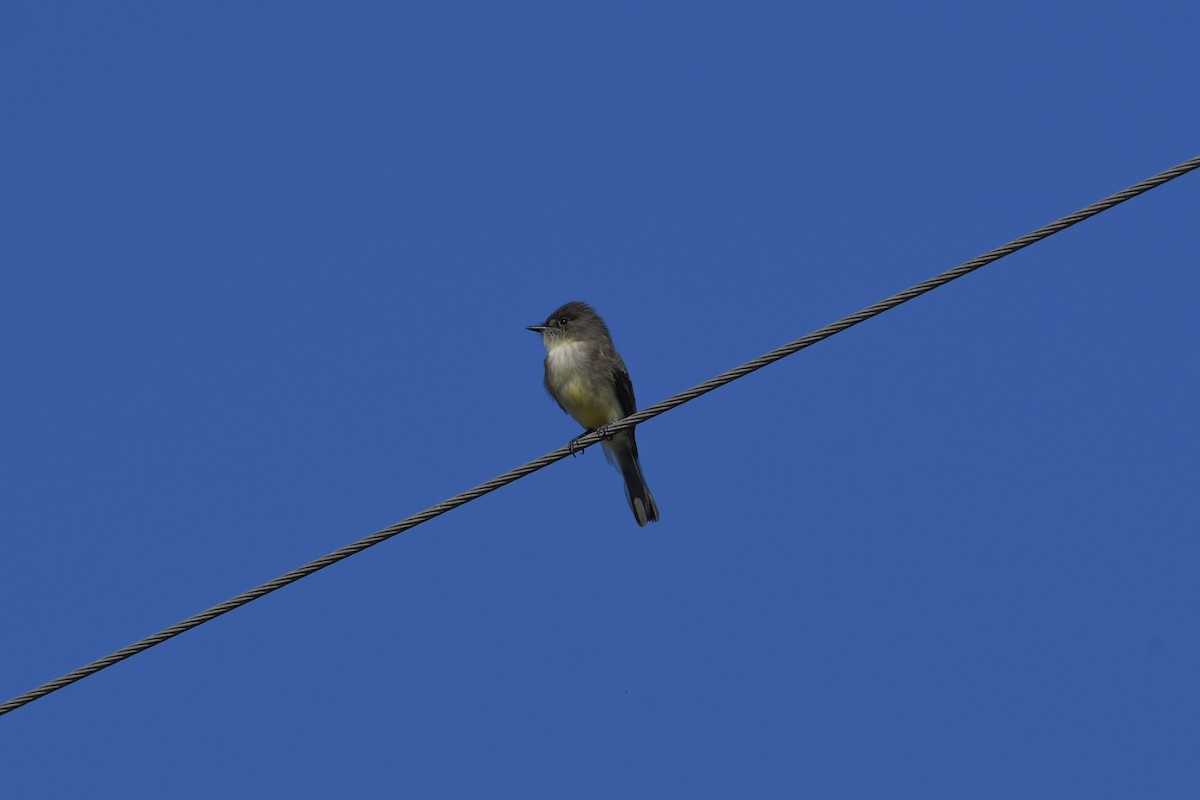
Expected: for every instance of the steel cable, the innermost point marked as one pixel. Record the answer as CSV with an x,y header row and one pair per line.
x,y
592,438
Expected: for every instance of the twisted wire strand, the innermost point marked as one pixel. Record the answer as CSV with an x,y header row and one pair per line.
x,y
592,438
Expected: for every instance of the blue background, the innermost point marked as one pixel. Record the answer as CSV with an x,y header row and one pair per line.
x,y
266,272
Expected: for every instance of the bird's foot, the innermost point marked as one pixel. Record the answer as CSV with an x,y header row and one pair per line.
x,y
573,445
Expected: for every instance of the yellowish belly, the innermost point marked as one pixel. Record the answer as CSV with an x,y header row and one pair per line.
x,y
588,410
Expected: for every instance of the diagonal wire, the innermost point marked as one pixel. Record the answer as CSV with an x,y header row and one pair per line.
x,y
592,438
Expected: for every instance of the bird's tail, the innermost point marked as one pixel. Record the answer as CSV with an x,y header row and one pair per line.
x,y
622,451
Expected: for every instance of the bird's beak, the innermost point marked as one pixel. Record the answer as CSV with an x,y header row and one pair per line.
x,y
536,328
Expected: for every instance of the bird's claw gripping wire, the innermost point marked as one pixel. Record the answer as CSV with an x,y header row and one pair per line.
x,y
604,432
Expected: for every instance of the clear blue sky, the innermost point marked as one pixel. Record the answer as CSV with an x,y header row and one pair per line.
x,y
266,272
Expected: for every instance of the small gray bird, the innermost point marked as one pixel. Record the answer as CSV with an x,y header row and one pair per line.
x,y
587,378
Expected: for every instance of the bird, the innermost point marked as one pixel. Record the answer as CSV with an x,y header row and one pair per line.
x,y
587,377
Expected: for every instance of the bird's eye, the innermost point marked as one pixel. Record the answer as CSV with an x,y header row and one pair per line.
x,y
562,321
